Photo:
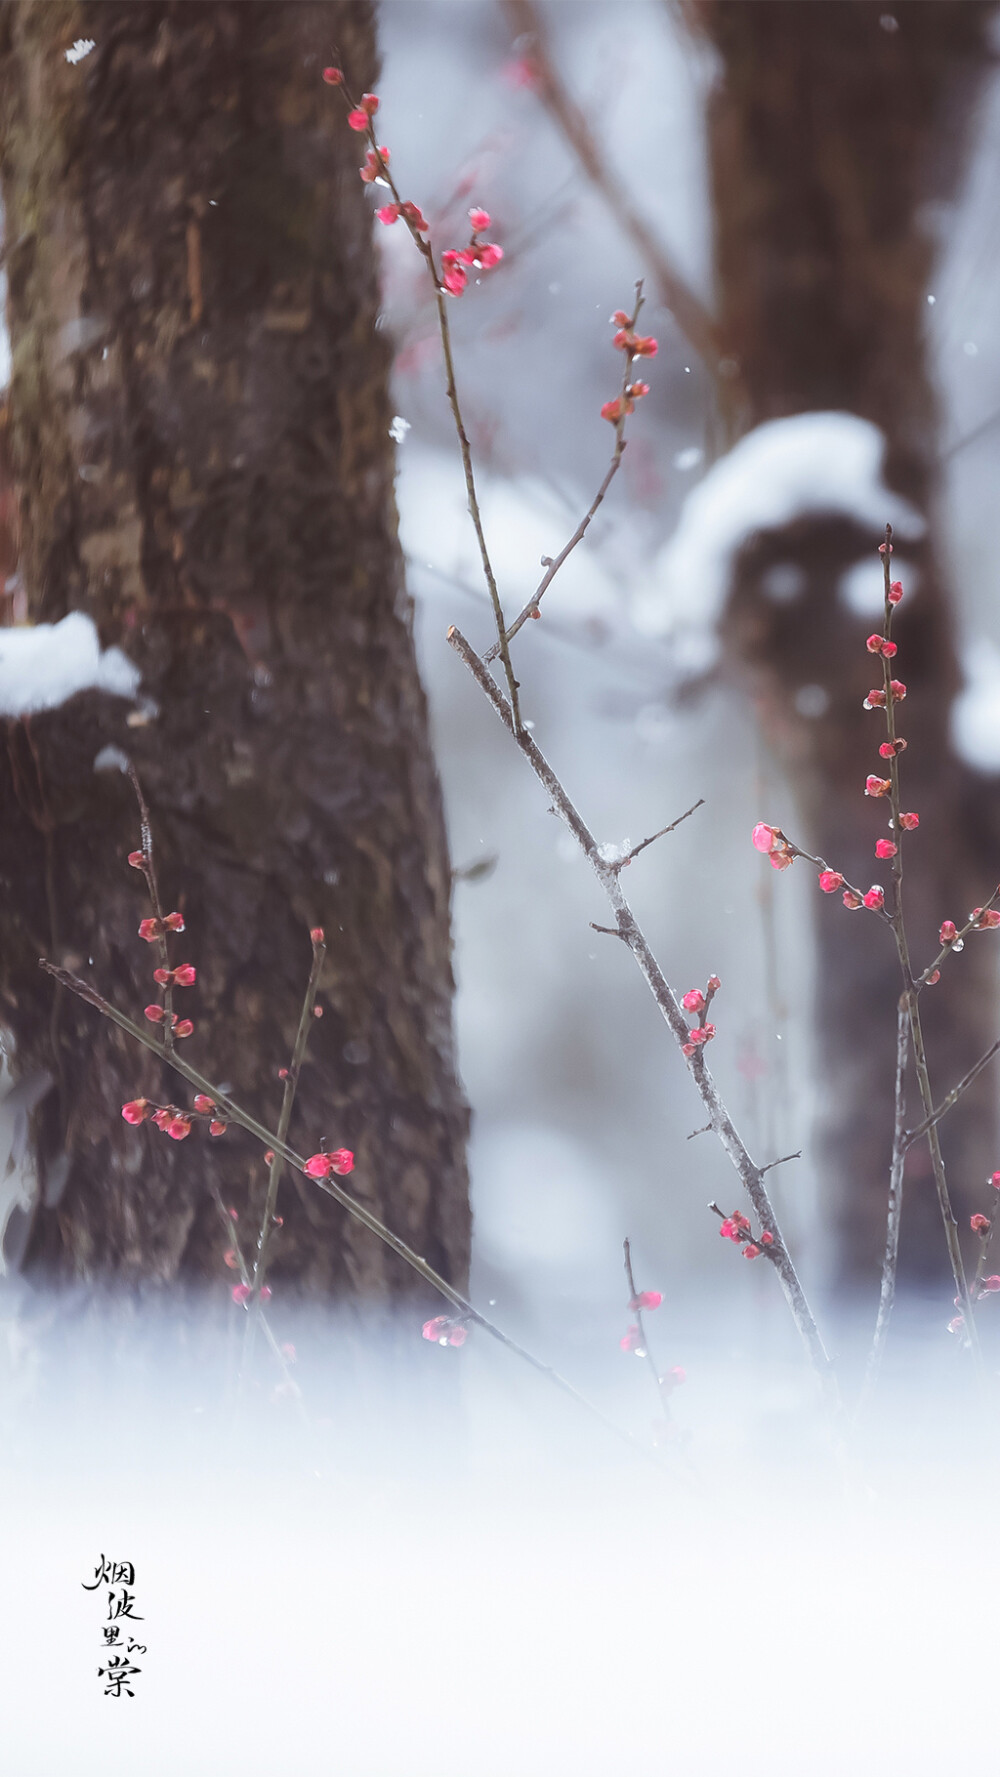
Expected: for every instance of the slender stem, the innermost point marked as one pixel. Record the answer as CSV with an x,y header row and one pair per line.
x,y
629,930
661,1389
244,1272
277,1163
235,1114
954,1095
887,1294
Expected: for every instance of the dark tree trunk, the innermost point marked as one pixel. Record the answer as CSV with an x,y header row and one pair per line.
x,y
828,134
199,422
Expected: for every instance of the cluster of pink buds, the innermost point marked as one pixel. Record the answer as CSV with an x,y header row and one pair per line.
x,y
697,1001
340,1161
442,1330
772,841
637,345
173,1121
484,255
737,1228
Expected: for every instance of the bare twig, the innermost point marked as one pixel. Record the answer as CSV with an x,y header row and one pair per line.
x,y
784,1158
690,314
153,887
246,1280
912,1135
721,1122
235,1114
620,863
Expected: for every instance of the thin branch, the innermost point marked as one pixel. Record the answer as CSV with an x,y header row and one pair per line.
x,y
912,1135
235,1114
784,1159
690,314
662,1389
245,1279
721,1122
277,1163
900,1142
620,863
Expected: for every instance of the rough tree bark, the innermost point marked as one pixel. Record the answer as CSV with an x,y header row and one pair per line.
x,y
829,131
199,423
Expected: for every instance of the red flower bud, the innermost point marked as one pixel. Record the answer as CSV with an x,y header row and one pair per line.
x,y
693,1000
217,1128
851,900
318,1166
185,976
909,822
150,930
884,848
317,935
948,932
646,1299
202,1102
877,786
830,881
388,214
980,1224
163,976
333,77
750,1251
714,983
184,1029
137,859
895,592
178,1128
136,1111
240,1293
875,898
341,1161
231,1258
154,1014
174,922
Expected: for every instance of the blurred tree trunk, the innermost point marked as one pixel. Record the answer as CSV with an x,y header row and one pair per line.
x,y
833,129
199,423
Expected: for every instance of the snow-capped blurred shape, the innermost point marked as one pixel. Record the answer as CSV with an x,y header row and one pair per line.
x,y
975,714
43,665
781,471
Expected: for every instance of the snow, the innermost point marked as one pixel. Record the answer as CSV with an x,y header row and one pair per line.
x,y
78,50
43,665
613,854
975,714
781,471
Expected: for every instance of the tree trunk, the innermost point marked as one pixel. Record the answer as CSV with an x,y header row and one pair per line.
x,y
830,128
199,425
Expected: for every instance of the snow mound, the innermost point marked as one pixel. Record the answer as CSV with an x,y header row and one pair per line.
x,y
784,469
41,667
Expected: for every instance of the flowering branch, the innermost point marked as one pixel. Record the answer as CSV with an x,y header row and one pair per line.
x,y
450,280
617,411
238,1262
318,1168
781,853
629,931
